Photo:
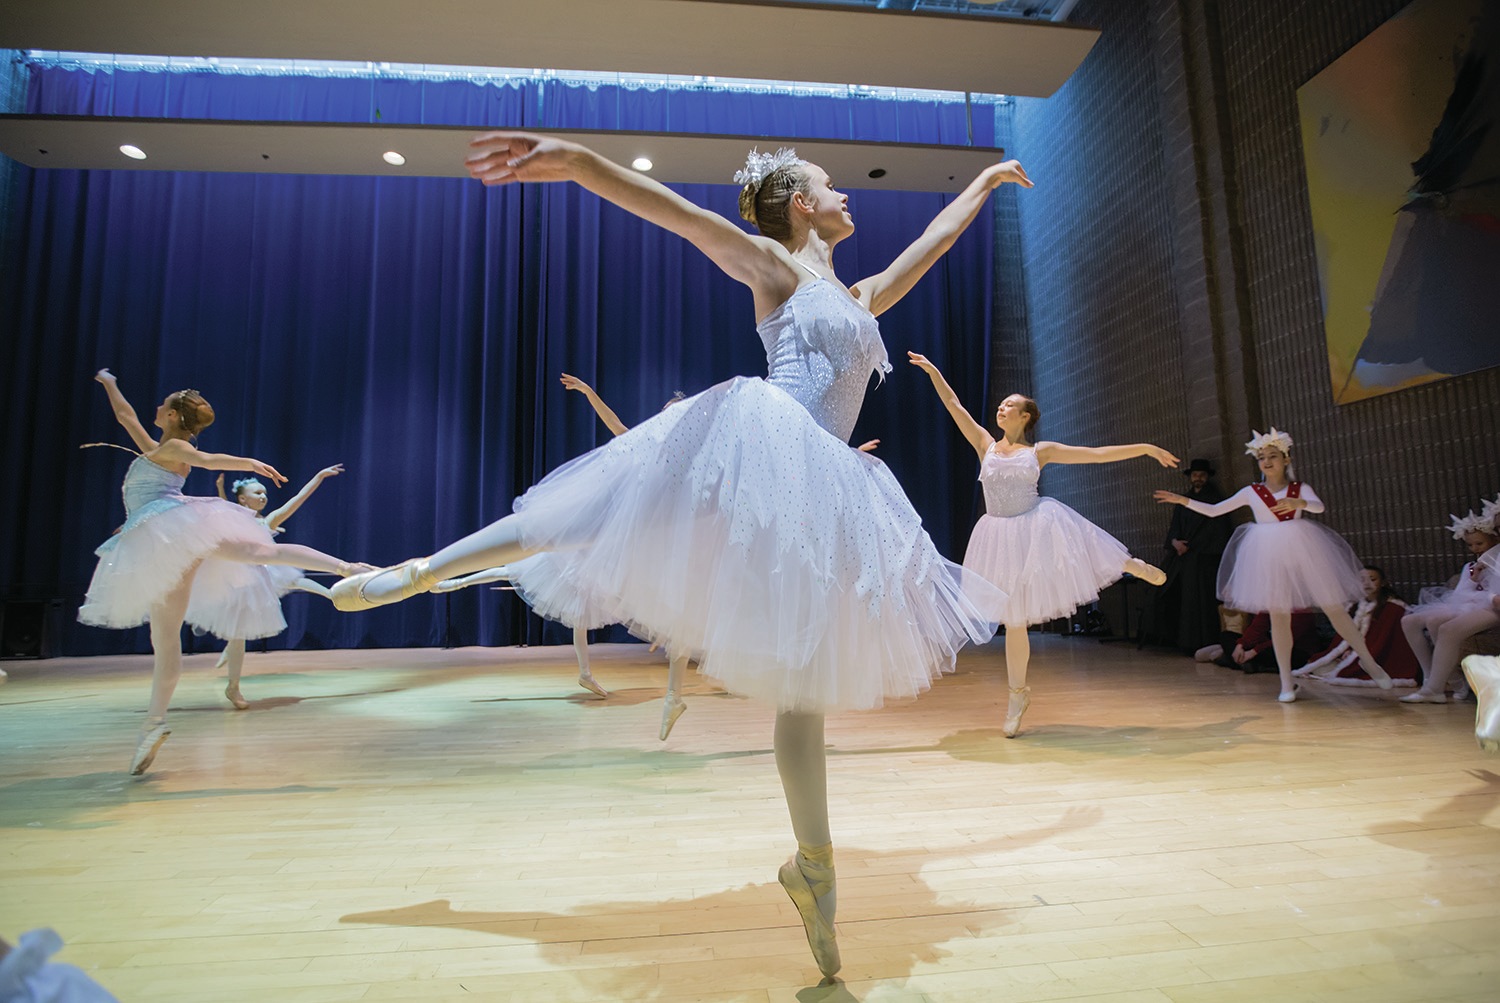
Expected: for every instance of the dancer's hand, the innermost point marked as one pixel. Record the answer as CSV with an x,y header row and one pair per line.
x,y
921,362
266,470
868,447
1163,457
326,472
1288,505
1169,497
499,158
574,383
104,376
1010,171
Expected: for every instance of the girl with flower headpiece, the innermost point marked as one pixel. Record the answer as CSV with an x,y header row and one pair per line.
x,y
1445,618
740,525
180,559
251,493
1282,562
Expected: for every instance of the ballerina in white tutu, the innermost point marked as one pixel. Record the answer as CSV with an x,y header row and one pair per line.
x,y
739,526
182,559
1282,562
1049,559
251,493
1445,618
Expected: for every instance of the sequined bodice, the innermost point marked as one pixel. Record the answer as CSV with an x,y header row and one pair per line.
x,y
821,347
146,482
1009,482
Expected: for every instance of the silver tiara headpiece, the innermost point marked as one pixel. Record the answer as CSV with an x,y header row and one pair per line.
x,y
1487,521
759,166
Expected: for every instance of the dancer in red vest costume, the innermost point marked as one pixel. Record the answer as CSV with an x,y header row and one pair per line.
x,y
1282,562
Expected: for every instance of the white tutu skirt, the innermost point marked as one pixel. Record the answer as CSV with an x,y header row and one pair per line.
x,y
733,529
1050,560
1278,567
1441,599
146,561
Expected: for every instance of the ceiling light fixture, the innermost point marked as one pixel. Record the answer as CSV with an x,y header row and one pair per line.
x,y
642,163
393,158
133,152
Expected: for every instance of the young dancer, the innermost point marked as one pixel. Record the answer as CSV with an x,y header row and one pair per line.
x,y
739,525
1047,557
251,493
1378,618
1282,562
1445,618
182,559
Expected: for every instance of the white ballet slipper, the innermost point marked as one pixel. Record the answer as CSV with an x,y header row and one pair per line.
x,y
145,750
1424,696
1375,672
233,695
348,594
804,893
1152,575
671,709
1483,673
1288,696
1020,699
588,682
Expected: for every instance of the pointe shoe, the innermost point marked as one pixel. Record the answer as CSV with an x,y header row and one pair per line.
x,y
588,683
1375,672
1020,699
821,934
232,694
348,594
223,659
1483,673
1152,575
1288,696
1424,696
671,709
146,748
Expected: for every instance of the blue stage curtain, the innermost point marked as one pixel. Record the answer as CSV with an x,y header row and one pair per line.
x,y
412,329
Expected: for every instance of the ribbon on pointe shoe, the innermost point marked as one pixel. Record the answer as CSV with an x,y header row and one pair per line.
x,y
808,876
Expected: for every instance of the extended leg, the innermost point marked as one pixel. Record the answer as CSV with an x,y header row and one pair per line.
x,y
233,659
1281,644
1017,658
672,705
585,674
1339,617
166,670
808,876
1148,573
496,544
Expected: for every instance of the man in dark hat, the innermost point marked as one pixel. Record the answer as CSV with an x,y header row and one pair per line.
x,y
1185,610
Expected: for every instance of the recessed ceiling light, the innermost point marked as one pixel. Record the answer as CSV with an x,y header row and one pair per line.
x,y
133,152
641,163
393,158
878,172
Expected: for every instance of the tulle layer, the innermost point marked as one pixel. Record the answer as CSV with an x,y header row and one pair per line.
x,y
147,559
1050,560
734,529
1278,567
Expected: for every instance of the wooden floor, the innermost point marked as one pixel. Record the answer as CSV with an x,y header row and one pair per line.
x,y
468,825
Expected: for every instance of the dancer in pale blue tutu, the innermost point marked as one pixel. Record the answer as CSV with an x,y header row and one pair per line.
x,y
1282,562
180,559
1049,559
739,525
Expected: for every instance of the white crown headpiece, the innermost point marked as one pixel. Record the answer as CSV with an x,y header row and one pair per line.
x,y
1484,522
759,166
1278,439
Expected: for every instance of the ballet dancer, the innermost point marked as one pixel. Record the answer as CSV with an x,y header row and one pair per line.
x,y
739,525
183,559
1445,618
1049,559
251,493
1282,562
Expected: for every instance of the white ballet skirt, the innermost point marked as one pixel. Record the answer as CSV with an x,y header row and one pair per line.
x,y
1050,559
739,528
1278,566
1469,594
165,534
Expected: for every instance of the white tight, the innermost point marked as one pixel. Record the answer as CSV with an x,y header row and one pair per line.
x,y
1448,631
1281,641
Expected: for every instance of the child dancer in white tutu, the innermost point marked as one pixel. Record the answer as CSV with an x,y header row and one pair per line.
x,y
739,525
251,493
1445,618
181,559
1282,562
1049,559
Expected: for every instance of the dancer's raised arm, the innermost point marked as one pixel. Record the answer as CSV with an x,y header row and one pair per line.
x,y
604,411
882,291
182,451
285,512
1057,452
500,158
124,413
972,430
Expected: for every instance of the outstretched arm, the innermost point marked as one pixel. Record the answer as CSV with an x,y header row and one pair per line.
x,y
972,430
606,414
883,291
1056,452
282,514
124,413
501,158
182,451
1239,499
